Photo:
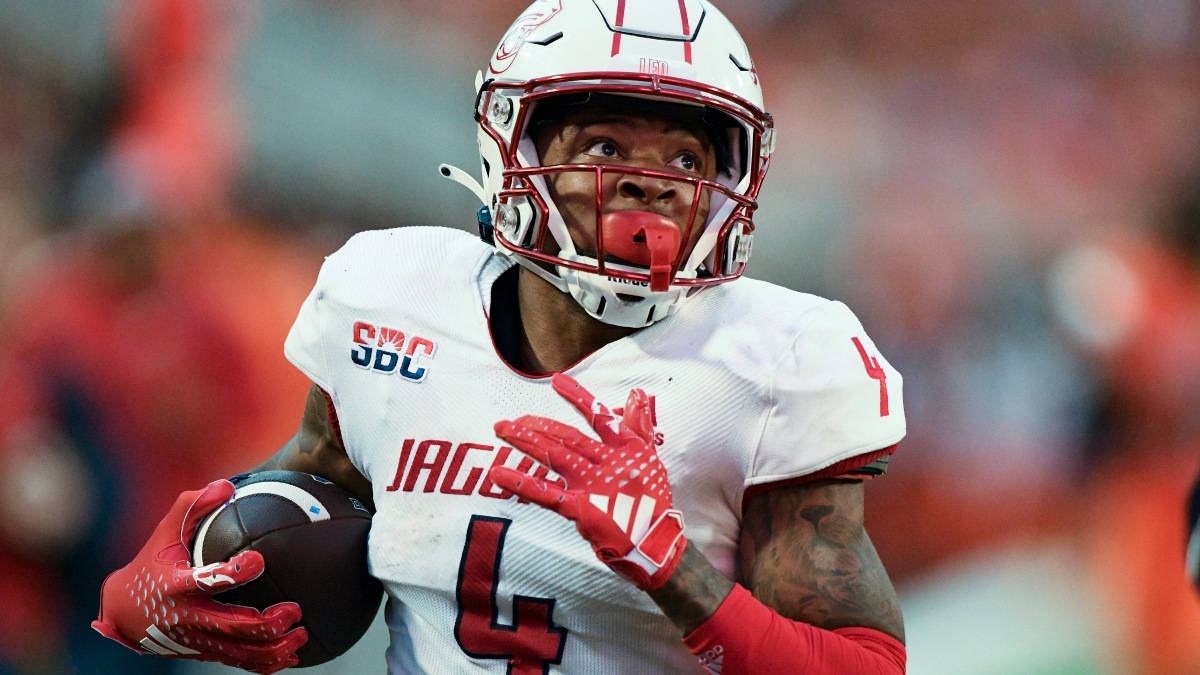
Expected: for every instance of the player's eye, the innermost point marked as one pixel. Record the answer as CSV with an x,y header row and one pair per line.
x,y
688,162
602,149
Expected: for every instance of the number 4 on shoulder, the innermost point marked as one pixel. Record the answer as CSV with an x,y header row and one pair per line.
x,y
875,372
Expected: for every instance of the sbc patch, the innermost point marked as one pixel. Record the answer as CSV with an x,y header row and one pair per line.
x,y
388,350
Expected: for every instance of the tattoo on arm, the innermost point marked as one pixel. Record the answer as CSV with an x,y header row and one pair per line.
x,y
694,591
806,554
317,449
300,452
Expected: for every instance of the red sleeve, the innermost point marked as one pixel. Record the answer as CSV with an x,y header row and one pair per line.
x,y
746,636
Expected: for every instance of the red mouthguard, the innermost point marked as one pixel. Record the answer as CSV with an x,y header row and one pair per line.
x,y
643,238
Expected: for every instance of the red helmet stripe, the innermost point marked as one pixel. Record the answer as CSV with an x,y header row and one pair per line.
x,y
620,22
687,30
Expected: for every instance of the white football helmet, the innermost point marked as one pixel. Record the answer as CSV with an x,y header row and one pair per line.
x,y
674,51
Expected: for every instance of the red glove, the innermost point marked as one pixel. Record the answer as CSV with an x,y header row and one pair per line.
x,y
617,490
160,604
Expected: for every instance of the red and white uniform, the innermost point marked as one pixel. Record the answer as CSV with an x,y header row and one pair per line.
x,y
753,385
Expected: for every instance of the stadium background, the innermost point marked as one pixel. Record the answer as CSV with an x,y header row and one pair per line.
x,y
1008,194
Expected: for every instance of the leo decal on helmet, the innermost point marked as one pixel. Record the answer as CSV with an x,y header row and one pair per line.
x,y
672,52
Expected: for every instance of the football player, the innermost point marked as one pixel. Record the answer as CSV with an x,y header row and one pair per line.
x,y
590,446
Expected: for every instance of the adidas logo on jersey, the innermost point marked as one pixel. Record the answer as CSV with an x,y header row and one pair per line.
x,y
388,350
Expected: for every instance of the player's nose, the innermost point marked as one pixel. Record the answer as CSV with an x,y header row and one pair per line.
x,y
647,189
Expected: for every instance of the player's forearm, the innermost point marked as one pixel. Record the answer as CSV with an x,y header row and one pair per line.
x,y
277,461
317,449
750,637
746,637
693,593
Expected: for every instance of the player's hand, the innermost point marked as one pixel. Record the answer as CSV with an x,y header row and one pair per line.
x,y
617,490
160,604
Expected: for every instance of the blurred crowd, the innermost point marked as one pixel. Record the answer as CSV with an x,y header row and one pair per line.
x,y
1008,194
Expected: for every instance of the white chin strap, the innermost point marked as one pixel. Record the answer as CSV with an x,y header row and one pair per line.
x,y
618,302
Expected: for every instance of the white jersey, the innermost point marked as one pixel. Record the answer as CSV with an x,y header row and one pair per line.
x,y
753,385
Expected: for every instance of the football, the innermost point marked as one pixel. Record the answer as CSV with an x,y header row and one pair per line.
x,y
312,535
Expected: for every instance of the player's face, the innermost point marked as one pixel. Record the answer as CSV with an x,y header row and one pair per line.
x,y
665,142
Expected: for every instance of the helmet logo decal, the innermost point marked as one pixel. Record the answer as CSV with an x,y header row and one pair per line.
x,y
752,70
519,33
654,67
